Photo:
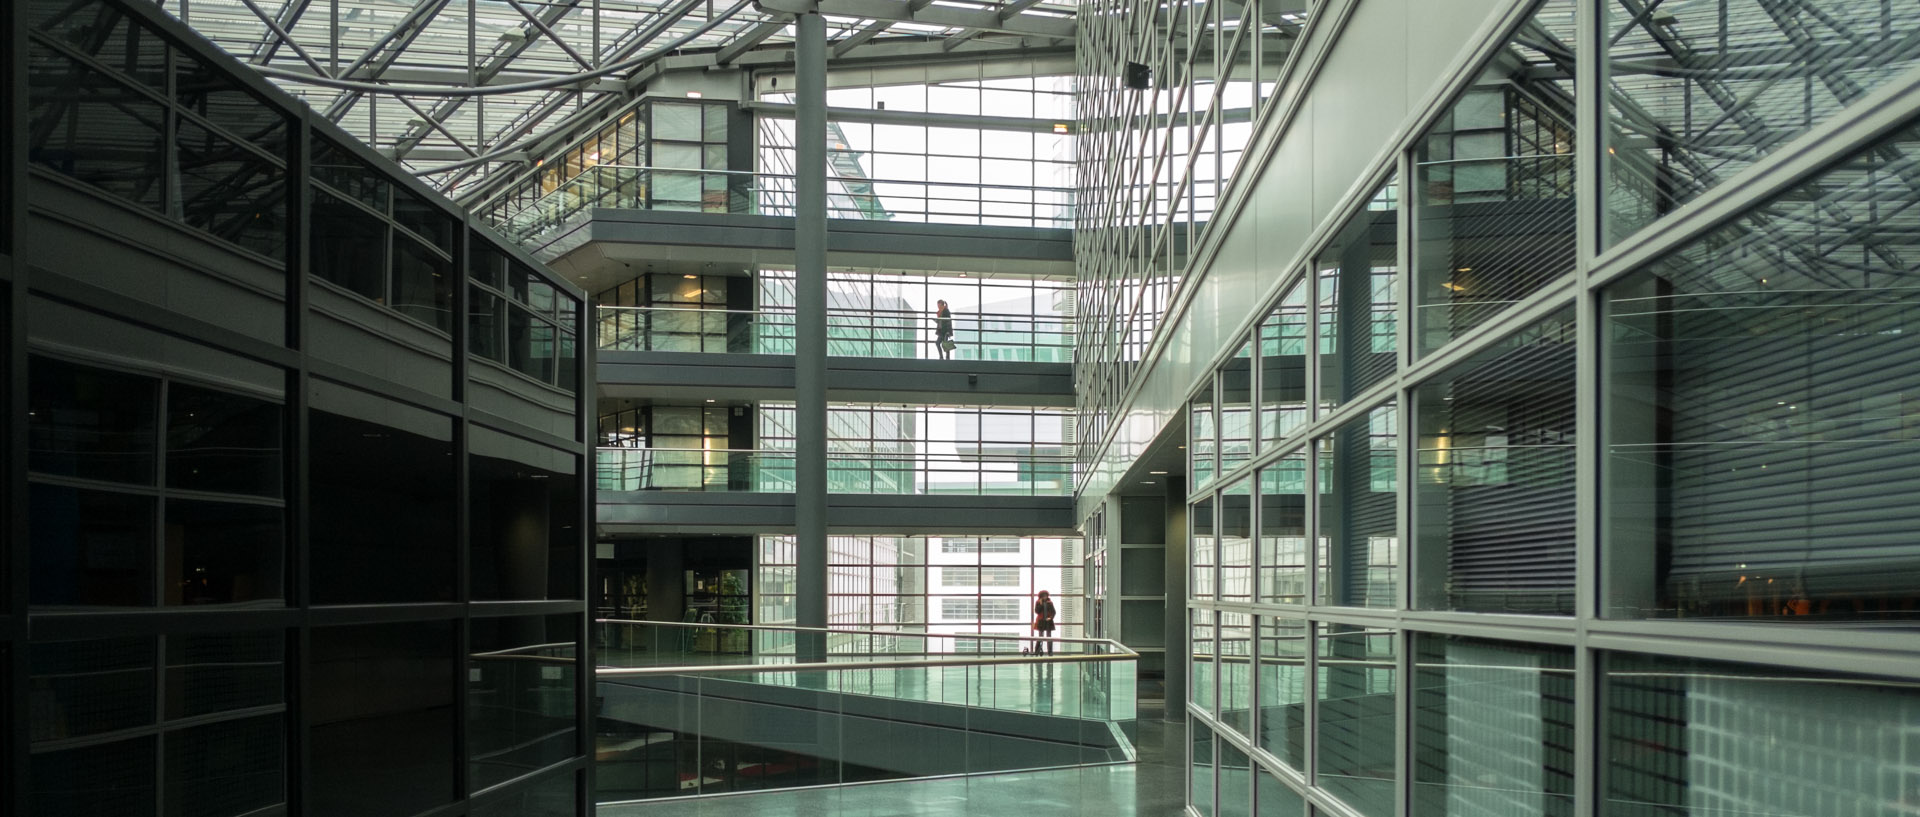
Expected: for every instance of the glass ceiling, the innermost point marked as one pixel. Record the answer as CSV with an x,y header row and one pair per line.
x,y
402,74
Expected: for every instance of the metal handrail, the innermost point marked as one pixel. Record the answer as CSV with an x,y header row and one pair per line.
x,y
789,628
789,452
1124,654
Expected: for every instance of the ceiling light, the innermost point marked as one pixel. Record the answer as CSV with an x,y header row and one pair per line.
x,y
690,277
1156,472
513,35
693,94
709,399
1059,127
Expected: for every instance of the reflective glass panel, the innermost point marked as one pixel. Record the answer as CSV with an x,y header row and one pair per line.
x,y
1359,511
1357,722
1283,531
1282,657
1358,341
1494,496
1492,729
1283,367
1762,414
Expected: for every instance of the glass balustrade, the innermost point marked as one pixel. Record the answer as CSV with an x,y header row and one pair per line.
x,y
673,693
895,334
765,471
772,194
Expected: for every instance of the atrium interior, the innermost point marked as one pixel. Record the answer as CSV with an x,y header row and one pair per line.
x,y
1225,408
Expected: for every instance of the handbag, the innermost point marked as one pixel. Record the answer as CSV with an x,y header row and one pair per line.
x,y
947,345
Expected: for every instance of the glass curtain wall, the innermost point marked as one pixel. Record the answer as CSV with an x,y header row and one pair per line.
x,y
1001,173
1164,121
932,584
1729,403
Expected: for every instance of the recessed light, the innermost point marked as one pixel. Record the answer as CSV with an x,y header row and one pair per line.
x,y
690,277
709,399
1156,472
1146,482
693,94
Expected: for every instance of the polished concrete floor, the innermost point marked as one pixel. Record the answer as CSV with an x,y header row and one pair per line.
x,y
1155,786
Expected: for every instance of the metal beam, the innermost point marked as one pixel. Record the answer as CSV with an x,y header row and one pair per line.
x,y
548,30
742,43
486,73
288,17
950,16
859,38
379,56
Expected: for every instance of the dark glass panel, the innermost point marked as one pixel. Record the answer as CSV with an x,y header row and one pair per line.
x,y
87,125
486,264
228,191
424,219
82,688
1236,782
1282,342
227,768
551,796
221,441
1492,728
530,345
521,700
525,525
212,93
91,423
349,246
106,780
382,706
107,34
223,552
220,672
381,534
90,547
1276,799
486,316
422,284
335,167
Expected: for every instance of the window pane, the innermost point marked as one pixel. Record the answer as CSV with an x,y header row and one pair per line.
x,y
1283,367
380,534
1495,495
1283,531
1702,738
223,552
1200,682
1236,409
1760,410
1659,155
678,121
226,768
1200,768
1236,782
91,423
1357,721
220,441
524,519
422,284
1494,214
1358,344
114,778
1236,672
1359,511
1492,729
1236,541
224,671
381,701
85,688
1200,518
90,548
349,246
93,128
229,192
1283,689
1276,799
520,696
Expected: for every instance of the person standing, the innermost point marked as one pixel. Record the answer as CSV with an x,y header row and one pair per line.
x,y
943,330
1043,613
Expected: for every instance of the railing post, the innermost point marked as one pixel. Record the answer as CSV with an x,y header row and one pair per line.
x,y
810,341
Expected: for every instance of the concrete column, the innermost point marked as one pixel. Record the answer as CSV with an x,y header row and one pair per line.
x,y
810,345
1177,568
